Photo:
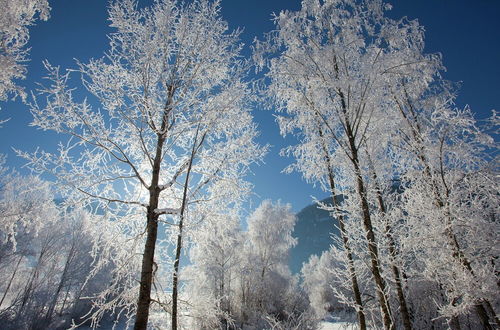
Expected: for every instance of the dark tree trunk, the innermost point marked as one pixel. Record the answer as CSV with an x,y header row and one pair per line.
x,y
352,149
11,279
28,290
64,301
345,240
454,323
462,259
492,313
175,279
352,273
141,319
178,249
405,315
373,251
62,281
483,317
370,235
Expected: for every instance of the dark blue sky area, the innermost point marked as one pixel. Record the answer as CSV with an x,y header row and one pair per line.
x,y
465,32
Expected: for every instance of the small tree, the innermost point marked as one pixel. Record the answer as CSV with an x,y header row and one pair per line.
x,y
45,256
26,205
216,258
266,288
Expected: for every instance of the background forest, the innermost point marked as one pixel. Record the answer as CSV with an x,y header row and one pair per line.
x,y
140,212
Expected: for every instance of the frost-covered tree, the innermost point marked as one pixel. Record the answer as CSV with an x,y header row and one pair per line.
x,y
270,229
15,18
241,278
171,127
336,63
45,257
318,284
376,123
26,205
267,291
216,258
449,202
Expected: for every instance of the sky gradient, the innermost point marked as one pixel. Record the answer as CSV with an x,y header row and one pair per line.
x,y
466,33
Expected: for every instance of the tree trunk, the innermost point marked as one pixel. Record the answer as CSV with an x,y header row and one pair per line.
x,y
62,281
141,319
178,249
352,273
345,240
483,317
373,251
175,279
370,236
64,301
405,315
26,295
492,313
76,300
454,323
460,257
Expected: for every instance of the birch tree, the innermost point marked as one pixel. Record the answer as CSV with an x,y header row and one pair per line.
x,y
331,78
358,91
170,126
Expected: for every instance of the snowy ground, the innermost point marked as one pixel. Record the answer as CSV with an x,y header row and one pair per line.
x,y
336,323
329,323
324,325
337,326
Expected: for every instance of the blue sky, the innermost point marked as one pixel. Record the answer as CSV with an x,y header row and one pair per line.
x,y
465,32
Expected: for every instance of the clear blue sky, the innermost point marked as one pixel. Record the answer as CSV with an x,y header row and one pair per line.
x,y
466,32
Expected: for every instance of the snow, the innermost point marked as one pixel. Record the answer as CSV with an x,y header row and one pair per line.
x,y
325,325
337,323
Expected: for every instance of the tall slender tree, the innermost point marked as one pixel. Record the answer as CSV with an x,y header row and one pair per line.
x,y
173,124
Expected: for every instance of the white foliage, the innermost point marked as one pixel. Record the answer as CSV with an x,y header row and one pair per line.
x,y
15,18
216,257
370,109
26,205
171,130
241,279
